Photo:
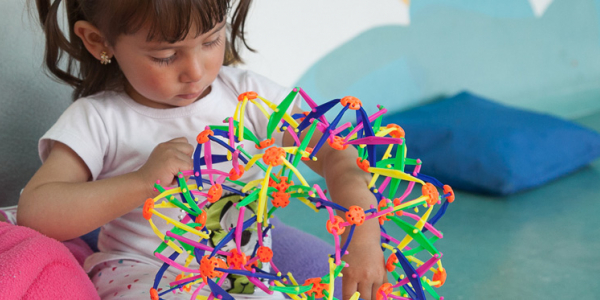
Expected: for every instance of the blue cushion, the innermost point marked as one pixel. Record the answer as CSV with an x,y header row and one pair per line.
x,y
481,146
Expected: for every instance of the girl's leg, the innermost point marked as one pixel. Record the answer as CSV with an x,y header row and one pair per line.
x,y
130,279
304,255
8,214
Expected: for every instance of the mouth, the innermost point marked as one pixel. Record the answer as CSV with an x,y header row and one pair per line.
x,y
190,96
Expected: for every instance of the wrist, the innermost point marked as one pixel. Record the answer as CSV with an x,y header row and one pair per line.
x,y
144,184
368,232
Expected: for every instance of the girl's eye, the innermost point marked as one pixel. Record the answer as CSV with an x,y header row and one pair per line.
x,y
213,43
164,61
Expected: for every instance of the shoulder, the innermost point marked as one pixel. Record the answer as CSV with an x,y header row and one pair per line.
x,y
83,127
97,105
100,101
95,111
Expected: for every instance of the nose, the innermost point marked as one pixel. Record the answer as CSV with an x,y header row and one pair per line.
x,y
193,70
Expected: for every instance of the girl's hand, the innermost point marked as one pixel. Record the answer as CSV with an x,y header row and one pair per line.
x,y
166,160
366,271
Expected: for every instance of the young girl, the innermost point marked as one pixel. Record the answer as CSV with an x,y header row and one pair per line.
x,y
148,76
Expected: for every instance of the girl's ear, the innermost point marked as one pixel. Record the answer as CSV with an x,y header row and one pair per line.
x,y
92,38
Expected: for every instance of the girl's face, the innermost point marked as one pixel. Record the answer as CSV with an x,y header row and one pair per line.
x,y
165,75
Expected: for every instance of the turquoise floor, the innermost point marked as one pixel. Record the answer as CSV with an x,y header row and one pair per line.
x,y
539,244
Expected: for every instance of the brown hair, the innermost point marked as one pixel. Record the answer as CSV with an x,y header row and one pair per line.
x,y
169,20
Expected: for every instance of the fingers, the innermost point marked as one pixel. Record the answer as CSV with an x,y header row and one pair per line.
x,y
181,144
348,289
179,154
167,160
368,286
365,290
180,139
375,290
184,162
179,164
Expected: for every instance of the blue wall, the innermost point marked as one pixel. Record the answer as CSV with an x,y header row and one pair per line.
x,y
497,49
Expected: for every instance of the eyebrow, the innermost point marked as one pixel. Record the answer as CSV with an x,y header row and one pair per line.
x,y
170,46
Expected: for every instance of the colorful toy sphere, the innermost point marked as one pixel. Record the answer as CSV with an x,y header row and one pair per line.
x,y
413,276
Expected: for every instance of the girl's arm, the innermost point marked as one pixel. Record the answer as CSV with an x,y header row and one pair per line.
x,y
348,185
62,202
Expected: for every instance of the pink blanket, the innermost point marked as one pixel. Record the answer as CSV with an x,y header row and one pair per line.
x,y
33,266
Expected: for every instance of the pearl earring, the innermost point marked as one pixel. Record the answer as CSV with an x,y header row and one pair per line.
x,y
104,59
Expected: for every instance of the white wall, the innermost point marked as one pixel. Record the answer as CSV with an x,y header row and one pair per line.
x,y
291,36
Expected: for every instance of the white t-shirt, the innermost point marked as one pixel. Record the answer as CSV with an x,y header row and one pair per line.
x,y
115,135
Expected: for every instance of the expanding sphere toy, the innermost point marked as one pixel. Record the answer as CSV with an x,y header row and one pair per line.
x,y
279,164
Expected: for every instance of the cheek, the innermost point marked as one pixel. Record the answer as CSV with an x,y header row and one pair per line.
x,y
148,79
216,65
215,62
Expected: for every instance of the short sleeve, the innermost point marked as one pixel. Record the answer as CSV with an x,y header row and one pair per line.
x,y
82,129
